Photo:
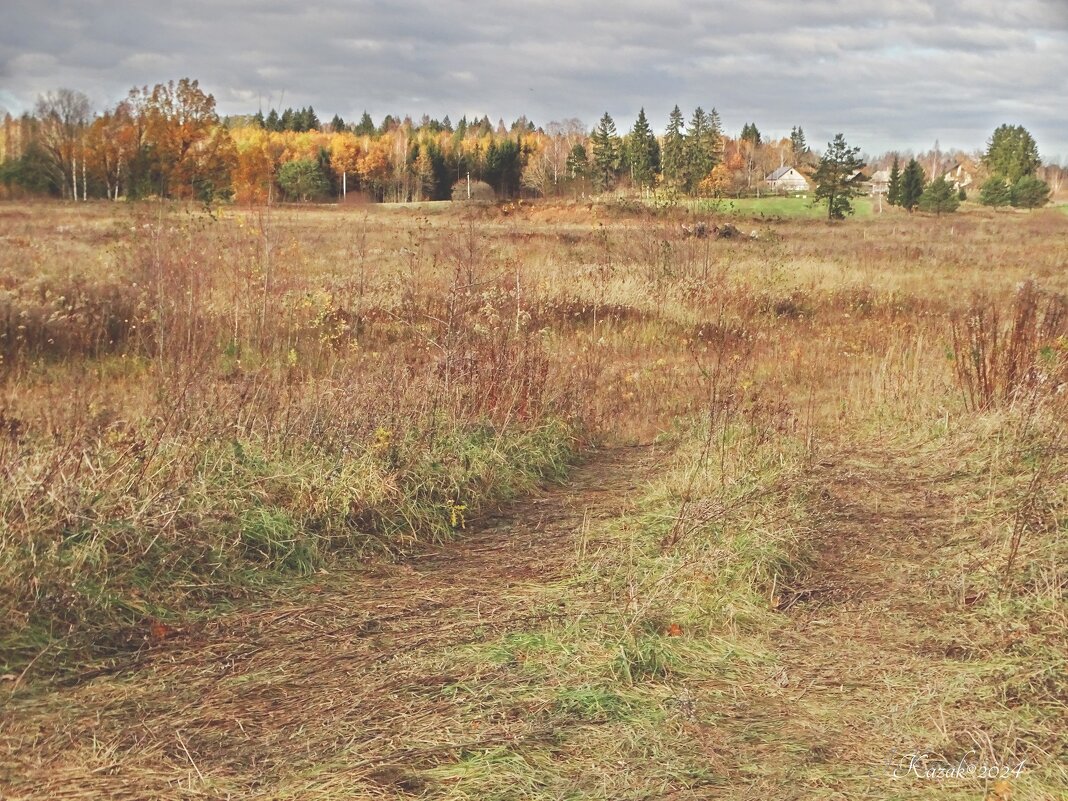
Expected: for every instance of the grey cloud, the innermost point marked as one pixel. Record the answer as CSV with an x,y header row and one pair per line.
x,y
888,73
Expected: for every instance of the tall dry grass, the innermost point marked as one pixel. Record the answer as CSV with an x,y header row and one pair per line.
x,y
191,405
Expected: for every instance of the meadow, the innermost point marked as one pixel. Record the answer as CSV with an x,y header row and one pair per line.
x,y
831,525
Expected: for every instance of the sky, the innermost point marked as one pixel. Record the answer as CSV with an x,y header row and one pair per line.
x,y
889,74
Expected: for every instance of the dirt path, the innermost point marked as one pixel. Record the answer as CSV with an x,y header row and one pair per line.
x,y
340,694
364,684
878,659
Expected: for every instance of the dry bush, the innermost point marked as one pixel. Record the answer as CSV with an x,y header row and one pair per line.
x,y
1002,358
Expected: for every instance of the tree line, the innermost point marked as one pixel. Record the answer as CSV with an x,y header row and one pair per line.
x,y
169,141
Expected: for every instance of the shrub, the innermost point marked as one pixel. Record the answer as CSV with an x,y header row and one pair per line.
x,y
1029,193
480,192
303,180
939,197
995,192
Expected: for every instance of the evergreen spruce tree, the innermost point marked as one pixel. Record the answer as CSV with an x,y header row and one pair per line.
x,y
835,177
701,147
1011,153
939,197
798,144
893,188
337,124
643,152
912,184
578,162
365,127
1029,193
673,154
605,148
995,192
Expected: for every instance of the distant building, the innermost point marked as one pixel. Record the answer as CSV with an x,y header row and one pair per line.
x,y
880,182
958,176
787,179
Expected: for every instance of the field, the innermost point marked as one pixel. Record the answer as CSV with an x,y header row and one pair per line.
x,y
534,501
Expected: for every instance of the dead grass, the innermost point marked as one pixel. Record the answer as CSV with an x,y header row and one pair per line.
x,y
838,553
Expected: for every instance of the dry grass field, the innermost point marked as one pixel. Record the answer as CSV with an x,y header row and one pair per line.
x,y
531,502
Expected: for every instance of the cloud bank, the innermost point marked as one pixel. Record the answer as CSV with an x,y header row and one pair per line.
x,y
887,73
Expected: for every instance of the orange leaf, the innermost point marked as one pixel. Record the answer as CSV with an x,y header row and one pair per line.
x,y
674,630
161,631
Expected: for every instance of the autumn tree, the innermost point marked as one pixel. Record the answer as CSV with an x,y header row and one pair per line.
x,y
253,172
749,147
836,177
913,181
63,118
345,153
606,153
111,147
192,151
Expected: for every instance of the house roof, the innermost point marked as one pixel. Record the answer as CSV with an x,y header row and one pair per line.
x,y
881,175
779,173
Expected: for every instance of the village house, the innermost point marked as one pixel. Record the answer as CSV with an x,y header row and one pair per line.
x,y
880,182
787,179
958,176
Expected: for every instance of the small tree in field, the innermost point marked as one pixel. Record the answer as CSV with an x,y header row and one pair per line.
x,y
995,192
939,197
893,188
836,178
912,183
1029,193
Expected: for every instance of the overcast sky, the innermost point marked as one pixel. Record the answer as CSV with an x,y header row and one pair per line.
x,y
887,73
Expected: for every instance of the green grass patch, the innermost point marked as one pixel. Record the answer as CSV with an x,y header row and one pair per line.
x,y
793,207
243,515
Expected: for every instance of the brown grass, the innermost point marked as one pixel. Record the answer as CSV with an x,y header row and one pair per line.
x,y
197,411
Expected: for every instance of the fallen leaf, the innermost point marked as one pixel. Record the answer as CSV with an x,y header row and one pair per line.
x,y
674,630
161,631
